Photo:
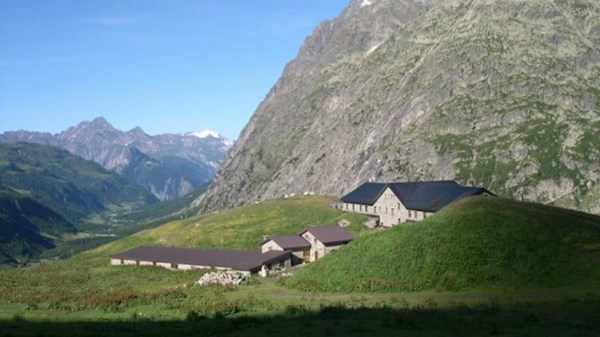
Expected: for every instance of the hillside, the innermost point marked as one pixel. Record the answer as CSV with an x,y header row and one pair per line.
x,y
168,165
86,296
70,186
500,94
477,243
240,228
27,227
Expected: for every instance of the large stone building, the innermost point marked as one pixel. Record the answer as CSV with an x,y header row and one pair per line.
x,y
394,203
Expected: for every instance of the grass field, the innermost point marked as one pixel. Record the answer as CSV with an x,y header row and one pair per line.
x,y
477,243
85,296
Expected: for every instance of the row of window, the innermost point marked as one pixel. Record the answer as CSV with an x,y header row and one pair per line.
x,y
376,210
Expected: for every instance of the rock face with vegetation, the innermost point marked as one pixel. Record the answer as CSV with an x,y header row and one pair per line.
x,y
503,94
169,165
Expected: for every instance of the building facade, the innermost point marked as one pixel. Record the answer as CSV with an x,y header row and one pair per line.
x,y
394,203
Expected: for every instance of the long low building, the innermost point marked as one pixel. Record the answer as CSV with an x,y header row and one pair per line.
x,y
188,258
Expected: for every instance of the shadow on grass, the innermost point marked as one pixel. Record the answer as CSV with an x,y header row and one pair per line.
x,y
576,318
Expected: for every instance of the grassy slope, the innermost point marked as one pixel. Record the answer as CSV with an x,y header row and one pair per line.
x,y
87,281
86,296
240,228
73,187
26,227
475,244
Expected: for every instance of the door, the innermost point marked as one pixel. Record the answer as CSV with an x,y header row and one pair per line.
x,y
306,255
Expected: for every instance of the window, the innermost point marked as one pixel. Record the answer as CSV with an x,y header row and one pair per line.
x,y
270,248
410,214
424,215
174,266
392,211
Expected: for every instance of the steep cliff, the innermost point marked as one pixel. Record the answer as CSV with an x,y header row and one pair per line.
x,y
504,94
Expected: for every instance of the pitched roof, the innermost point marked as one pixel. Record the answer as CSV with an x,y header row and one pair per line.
x,y
365,194
330,235
238,260
289,242
429,196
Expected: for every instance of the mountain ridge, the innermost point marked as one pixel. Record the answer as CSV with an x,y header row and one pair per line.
x,y
140,158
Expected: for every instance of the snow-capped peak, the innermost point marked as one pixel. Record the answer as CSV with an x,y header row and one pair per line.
x,y
205,133
365,3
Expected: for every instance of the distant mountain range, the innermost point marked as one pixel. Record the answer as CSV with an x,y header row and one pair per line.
x,y
168,165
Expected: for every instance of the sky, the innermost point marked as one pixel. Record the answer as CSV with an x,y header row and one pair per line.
x,y
167,66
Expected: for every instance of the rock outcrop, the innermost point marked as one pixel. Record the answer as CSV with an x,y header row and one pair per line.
x,y
224,278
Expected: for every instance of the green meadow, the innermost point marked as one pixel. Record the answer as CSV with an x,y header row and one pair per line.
x,y
84,295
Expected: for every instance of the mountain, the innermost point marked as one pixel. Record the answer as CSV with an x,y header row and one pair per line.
x,y
169,165
502,94
70,186
27,227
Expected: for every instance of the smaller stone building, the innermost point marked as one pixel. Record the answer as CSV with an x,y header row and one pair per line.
x,y
298,246
324,240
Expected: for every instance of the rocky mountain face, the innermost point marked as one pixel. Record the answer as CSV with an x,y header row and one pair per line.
x,y
502,94
169,165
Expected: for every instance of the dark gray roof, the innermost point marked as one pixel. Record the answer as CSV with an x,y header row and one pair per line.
x,y
429,196
365,194
290,242
330,235
238,260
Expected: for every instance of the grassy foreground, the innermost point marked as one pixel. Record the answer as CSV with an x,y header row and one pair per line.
x,y
566,317
478,243
85,296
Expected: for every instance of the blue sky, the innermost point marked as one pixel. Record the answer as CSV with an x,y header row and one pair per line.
x,y
168,66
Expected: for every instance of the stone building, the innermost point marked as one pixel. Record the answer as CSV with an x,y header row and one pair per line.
x,y
247,262
324,240
394,203
298,246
